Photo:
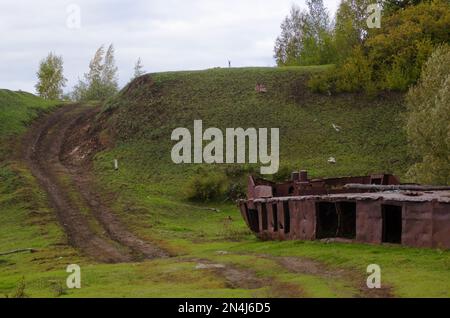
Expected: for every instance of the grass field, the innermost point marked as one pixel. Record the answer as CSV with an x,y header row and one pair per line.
x,y
149,192
16,110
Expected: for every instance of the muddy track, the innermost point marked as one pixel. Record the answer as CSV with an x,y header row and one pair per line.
x,y
311,267
56,152
237,277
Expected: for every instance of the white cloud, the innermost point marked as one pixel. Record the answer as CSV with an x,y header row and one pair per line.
x,y
166,34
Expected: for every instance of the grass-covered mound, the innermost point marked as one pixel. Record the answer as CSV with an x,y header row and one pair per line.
x,y
16,110
370,139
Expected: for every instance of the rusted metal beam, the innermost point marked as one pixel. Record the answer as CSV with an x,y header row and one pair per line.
x,y
376,187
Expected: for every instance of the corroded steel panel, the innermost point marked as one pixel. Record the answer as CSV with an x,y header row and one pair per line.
x,y
369,223
307,216
295,220
270,218
441,225
260,214
272,230
263,191
417,224
281,224
244,211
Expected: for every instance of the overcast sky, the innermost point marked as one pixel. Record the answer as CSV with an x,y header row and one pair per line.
x,y
167,34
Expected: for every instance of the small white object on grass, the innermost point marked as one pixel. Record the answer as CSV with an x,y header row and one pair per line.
x,y
116,164
222,253
332,160
209,266
337,128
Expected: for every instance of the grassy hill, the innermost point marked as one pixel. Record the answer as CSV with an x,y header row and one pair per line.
x,y
16,110
371,138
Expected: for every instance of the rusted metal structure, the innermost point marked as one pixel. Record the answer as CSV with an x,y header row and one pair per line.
x,y
372,209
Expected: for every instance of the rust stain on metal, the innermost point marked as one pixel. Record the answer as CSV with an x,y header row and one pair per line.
x,y
372,209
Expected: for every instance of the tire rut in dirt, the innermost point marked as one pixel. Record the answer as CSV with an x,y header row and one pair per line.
x,y
237,277
77,135
44,144
312,267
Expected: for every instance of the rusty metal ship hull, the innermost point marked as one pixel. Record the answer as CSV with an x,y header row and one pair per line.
x,y
329,209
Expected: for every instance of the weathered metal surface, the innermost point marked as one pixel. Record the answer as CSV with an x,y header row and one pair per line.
x,y
369,222
307,216
419,218
438,196
417,224
404,187
263,191
281,221
441,225
244,212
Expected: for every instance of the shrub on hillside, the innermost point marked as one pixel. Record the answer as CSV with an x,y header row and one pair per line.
x,y
428,125
236,190
355,74
321,83
206,187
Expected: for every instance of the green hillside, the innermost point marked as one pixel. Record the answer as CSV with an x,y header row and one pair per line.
x,y
371,137
16,110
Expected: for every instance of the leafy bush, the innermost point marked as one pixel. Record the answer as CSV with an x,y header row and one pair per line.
x,y
322,82
391,58
406,66
236,190
355,74
206,187
428,120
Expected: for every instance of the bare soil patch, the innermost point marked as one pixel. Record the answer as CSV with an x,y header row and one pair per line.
x,y
60,147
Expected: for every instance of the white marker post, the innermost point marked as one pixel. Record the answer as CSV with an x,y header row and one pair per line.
x,y
116,164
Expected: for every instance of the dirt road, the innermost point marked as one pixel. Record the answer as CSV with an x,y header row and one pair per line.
x,y
59,149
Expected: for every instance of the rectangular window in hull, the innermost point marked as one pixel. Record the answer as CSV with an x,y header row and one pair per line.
x,y
336,219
